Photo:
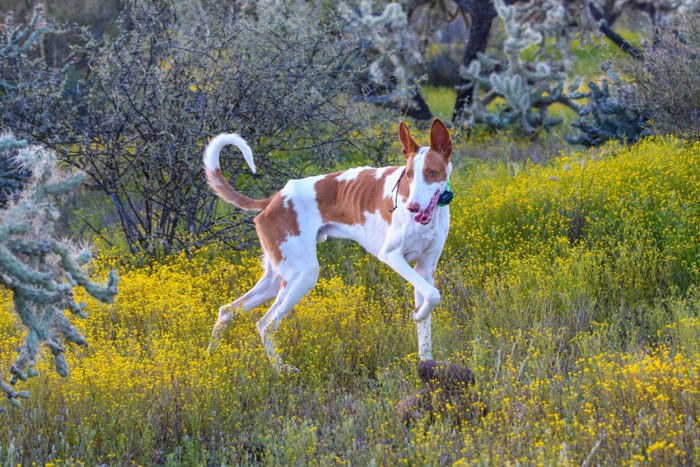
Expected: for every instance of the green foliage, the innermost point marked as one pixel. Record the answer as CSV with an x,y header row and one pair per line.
x,y
507,147
40,269
440,100
571,289
660,92
609,115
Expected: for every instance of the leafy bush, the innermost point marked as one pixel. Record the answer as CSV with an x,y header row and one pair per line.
x,y
588,238
660,93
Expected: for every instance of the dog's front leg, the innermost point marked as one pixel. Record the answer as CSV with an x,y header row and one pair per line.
x,y
428,293
425,342
427,298
426,268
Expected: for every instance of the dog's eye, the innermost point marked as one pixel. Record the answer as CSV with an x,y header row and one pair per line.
x,y
409,173
432,173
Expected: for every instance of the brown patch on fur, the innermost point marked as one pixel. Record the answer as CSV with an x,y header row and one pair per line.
x,y
440,140
221,187
408,144
404,187
347,201
434,163
275,224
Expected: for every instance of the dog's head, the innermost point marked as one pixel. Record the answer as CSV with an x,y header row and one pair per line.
x,y
427,169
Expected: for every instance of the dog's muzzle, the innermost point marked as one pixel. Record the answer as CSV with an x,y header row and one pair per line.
x,y
426,215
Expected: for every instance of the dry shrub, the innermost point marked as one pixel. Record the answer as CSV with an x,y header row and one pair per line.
x,y
668,80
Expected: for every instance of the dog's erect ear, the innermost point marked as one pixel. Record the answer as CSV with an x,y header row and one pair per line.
x,y
408,144
440,140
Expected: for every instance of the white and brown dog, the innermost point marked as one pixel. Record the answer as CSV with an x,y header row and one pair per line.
x,y
392,212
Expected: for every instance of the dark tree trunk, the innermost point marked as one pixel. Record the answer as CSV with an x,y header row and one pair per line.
x,y
482,13
419,110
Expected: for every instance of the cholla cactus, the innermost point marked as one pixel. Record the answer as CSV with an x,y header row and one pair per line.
x,y
609,113
527,87
393,46
12,175
40,269
18,39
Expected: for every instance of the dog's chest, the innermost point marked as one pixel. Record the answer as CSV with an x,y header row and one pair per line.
x,y
416,241
417,238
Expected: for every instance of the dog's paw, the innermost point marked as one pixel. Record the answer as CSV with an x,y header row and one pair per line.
x,y
417,315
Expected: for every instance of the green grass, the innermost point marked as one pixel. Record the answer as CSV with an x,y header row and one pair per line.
x,y
440,100
590,55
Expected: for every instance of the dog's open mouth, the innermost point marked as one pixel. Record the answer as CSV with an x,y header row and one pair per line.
x,y
426,215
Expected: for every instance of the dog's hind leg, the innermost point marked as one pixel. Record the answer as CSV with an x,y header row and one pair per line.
x,y
303,277
262,292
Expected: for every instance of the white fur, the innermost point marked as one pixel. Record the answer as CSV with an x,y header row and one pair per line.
x,y
351,174
211,155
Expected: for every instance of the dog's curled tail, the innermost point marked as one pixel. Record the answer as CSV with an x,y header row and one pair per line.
x,y
216,178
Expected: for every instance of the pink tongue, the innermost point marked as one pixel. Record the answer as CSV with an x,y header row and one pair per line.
x,y
426,215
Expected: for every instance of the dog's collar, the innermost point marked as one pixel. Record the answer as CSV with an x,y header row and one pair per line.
x,y
446,196
396,188
444,199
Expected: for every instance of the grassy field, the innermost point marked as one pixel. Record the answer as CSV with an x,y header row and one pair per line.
x,y
571,289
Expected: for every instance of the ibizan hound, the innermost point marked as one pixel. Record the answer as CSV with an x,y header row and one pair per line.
x,y
392,212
